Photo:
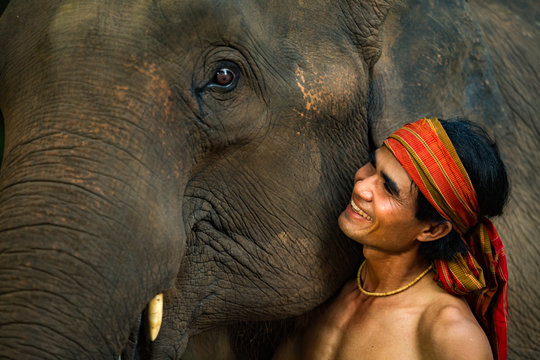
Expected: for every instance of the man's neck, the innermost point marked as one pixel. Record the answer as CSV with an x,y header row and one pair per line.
x,y
384,272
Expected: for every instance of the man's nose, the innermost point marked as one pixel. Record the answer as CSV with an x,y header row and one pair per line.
x,y
364,172
364,188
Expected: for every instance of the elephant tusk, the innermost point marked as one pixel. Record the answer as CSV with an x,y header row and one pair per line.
x,y
155,314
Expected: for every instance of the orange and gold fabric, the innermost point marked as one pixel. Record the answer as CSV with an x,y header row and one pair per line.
x,y
425,151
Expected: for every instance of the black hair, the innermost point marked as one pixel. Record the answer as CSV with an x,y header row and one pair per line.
x,y
481,159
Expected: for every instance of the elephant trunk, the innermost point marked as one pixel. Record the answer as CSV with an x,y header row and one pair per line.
x,y
73,241
87,215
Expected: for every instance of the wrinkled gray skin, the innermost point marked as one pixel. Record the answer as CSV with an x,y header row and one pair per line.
x,y
128,170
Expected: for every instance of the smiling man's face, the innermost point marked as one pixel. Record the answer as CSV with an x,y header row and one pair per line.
x,y
381,213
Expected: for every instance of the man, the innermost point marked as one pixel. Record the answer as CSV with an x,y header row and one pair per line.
x,y
419,208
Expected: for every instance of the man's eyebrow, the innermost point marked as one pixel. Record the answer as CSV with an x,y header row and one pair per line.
x,y
394,189
392,185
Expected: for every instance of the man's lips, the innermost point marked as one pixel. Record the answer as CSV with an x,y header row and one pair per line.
x,y
359,211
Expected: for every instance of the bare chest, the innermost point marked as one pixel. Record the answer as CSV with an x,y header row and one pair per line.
x,y
381,333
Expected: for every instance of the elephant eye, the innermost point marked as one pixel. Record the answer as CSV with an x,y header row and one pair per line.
x,y
225,77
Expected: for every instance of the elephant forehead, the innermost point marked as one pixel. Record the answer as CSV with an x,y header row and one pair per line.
x,y
328,88
105,25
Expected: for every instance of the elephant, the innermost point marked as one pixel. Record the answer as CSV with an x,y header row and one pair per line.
x,y
453,58
203,150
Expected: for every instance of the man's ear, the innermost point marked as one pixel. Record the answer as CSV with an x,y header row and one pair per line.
x,y
435,231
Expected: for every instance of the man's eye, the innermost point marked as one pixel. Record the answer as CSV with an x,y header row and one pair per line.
x,y
390,186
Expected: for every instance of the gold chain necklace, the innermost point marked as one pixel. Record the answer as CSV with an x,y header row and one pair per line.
x,y
368,293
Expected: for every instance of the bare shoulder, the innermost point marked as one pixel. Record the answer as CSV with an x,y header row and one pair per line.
x,y
449,330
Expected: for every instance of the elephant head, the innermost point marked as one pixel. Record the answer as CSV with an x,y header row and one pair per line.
x,y
199,149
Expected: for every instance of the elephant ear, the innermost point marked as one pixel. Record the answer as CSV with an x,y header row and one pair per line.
x,y
434,63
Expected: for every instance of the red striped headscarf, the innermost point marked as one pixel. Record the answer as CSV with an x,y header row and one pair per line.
x,y
425,151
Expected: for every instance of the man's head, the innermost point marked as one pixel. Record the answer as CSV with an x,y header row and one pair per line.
x,y
481,159
381,213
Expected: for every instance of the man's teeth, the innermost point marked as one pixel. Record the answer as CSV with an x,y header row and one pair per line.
x,y
360,211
